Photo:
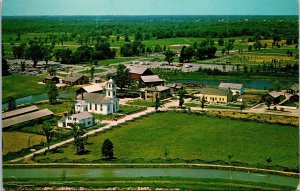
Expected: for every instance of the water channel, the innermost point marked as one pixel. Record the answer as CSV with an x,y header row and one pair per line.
x,y
84,173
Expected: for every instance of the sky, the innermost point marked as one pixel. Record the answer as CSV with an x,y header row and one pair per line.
x,y
149,7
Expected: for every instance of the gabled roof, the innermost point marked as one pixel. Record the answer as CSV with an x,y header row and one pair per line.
x,y
73,77
295,87
50,77
137,69
95,98
26,117
93,88
151,78
275,94
158,88
19,111
82,115
212,91
230,85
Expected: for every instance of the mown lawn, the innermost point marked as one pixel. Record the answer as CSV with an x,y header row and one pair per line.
x,y
59,108
89,71
15,141
190,137
21,86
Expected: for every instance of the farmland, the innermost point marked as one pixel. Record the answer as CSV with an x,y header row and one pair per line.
x,y
192,138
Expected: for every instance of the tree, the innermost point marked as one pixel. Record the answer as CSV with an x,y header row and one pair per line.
x,y
48,53
269,160
242,106
221,42
250,48
23,65
277,86
157,49
202,103
169,56
92,71
79,139
122,77
52,92
19,51
35,53
229,46
157,102
257,45
126,38
11,103
51,71
181,100
48,132
107,149
5,67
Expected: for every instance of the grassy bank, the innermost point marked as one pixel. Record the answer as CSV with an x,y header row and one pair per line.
x,y
192,138
143,182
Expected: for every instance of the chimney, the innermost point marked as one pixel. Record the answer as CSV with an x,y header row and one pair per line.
x,y
65,114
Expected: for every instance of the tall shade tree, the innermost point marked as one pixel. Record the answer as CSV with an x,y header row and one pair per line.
x,y
5,67
79,139
92,71
11,103
48,132
107,149
52,92
35,53
51,71
121,77
181,100
169,56
202,103
157,102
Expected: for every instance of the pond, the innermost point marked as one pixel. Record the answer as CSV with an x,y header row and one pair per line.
x,y
84,173
257,84
37,97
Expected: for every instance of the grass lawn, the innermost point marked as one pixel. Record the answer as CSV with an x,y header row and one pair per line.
x,y
190,137
57,109
126,109
21,86
291,104
142,103
15,141
89,71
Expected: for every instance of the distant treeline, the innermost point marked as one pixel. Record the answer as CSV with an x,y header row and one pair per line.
x,y
157,27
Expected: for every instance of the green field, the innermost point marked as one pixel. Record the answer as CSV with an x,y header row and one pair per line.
x,y
190,137
21,86
58,108
15,141
89,71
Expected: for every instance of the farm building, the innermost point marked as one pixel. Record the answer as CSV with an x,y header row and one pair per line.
x,y
162,92
174,87
27,117
76,79
294,89
83,118
150,81
215,96
54,79
18,112
235,88
99,103
136,72
273,97
95,88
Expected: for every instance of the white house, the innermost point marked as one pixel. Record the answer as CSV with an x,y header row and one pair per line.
x,y
99,103
235,88
84,118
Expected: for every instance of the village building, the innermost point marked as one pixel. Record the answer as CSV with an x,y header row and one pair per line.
x,y
215,96
84,118
76,79
151,81
54,79
174,87
96,80
95,88
273,97
162,92
294,89
235,88
137,72
99,103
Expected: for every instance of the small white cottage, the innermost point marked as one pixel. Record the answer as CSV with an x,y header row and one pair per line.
x,y
99,103
83,118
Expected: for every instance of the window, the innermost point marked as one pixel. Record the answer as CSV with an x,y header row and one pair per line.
x,y
96,107
101,107
108,108
90,106
108,93
74,119
89,123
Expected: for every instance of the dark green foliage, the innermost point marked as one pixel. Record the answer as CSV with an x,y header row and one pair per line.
x,y
5,67
51,71
205,52
11,103
52,92
35,53
19,51
169,56
92,71
79,140
121,77
135,48
242,106
186,54
48,132
107,149
157,49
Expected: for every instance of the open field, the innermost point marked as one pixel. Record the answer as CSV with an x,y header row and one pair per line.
x,y
15,141
59,108
190,137
89,71
21,86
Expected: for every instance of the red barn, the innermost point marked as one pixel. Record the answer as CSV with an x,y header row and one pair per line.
x,y
136,72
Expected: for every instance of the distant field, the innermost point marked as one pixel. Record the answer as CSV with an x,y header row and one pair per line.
x,y
15,141
21,86
190,137
89,71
